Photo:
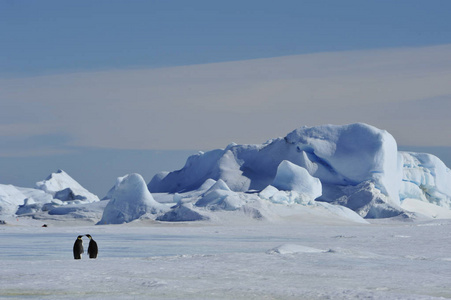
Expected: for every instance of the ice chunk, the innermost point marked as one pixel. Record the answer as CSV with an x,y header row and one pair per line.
x,y
29,206
207,184
268,192
293,249
426,178
291,177
285,197
221,197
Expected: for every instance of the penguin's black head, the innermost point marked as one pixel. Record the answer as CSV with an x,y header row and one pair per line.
x,y
88,235
79,237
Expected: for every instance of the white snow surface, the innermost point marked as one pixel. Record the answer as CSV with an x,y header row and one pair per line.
x,y
425,208
130,200
290,259
294,218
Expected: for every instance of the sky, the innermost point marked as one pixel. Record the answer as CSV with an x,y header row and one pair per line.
x,y
81,80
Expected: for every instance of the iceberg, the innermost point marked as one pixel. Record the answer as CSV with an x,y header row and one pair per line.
x,y
130,200
349,172
18,200
357,166
10,199
63,187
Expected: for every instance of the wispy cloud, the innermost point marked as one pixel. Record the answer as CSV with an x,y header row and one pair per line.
x,y
405,91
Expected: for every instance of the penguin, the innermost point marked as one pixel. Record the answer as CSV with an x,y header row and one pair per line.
x,y
78,247
92,248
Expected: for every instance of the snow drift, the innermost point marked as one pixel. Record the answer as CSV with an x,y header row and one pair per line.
x,y
294,249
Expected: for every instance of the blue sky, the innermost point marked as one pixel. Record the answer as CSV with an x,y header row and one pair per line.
x,y
41,37
83,81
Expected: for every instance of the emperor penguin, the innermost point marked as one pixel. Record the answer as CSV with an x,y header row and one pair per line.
x,y
92,248
78,247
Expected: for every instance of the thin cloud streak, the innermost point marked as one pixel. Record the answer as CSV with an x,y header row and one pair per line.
x,y
209,106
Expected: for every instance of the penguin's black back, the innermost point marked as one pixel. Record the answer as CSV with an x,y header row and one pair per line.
x,y
92,249
78,248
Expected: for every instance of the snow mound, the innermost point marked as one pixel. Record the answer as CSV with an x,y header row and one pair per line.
x,y
130,200
342,212
294,249
63,187
425,208
292,184
221,197
182,213
291,177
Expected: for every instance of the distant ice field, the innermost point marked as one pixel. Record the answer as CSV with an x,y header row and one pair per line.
x,y
251,260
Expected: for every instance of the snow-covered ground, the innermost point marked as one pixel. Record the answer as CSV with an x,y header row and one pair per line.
x,y
328,212
313,258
